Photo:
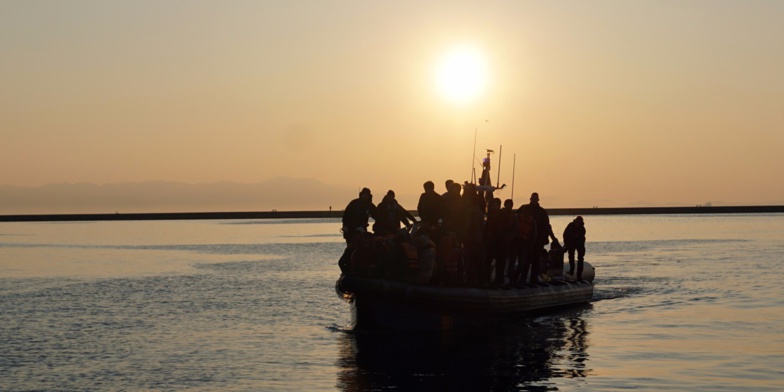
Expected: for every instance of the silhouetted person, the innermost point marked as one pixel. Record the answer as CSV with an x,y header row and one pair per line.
x,y
357,213
389,216
447,186
510,226
453,210
472,236
523,244
574,239
429,207
544,232
497,232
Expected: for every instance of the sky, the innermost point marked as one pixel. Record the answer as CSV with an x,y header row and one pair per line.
x,y
600,103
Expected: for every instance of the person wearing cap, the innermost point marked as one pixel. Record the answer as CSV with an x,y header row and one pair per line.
x,y
574,239
357,214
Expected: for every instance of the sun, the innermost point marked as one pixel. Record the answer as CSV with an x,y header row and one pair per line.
x,y
461,74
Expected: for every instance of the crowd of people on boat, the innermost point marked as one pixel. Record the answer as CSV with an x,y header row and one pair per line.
x,y
465,237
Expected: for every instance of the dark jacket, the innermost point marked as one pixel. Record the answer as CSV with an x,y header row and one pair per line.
x,y
543,228
452,211
499,227
357,213
473,214
430,207
574,234
389,215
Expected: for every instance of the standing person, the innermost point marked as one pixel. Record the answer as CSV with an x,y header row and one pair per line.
x,y
574,239
429,207
471,234
389,215
452,205
447,186
523,243
357,213
497,231
544,232
508,215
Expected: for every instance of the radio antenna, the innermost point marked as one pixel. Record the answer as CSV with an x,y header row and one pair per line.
x,y
498,180
514,163
473,161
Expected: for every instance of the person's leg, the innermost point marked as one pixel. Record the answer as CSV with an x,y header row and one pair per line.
x,y
523,265
570,250
536,259
511,260
500,267
580,261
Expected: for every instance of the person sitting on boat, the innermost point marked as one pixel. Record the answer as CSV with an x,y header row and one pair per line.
x,y
429,207
356,215
574,239
389,216
544,232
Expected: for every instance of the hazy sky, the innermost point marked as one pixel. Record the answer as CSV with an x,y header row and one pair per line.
x,y
609,103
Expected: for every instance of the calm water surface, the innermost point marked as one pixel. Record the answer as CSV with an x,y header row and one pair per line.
x,y
685,303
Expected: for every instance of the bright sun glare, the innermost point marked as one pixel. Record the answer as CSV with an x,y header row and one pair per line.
x,y
461,74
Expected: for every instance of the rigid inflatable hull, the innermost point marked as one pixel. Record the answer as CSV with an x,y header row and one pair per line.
x,y
388,304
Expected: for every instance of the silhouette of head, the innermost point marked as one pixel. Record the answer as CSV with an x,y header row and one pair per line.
x,y
365,194
534,198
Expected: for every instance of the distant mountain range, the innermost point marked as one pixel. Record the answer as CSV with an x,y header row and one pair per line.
x,y
281,193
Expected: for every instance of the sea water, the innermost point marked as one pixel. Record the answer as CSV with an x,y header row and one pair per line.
x,y
682,302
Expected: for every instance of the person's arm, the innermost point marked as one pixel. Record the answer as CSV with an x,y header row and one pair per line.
x,y
408,219
347,213
550,230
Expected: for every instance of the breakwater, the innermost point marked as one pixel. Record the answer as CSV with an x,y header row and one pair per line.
x,y
338,214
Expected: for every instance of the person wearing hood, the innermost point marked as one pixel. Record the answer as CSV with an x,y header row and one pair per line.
x,y
390,214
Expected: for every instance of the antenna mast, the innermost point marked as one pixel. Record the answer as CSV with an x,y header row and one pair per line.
x,y
498,179
514,163
473,161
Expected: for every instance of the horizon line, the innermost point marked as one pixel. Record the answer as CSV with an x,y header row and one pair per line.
x,y
310,214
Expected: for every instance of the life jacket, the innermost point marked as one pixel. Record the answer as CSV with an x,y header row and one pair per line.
x,y
410,252
363,259
448,253
526,227
427,264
